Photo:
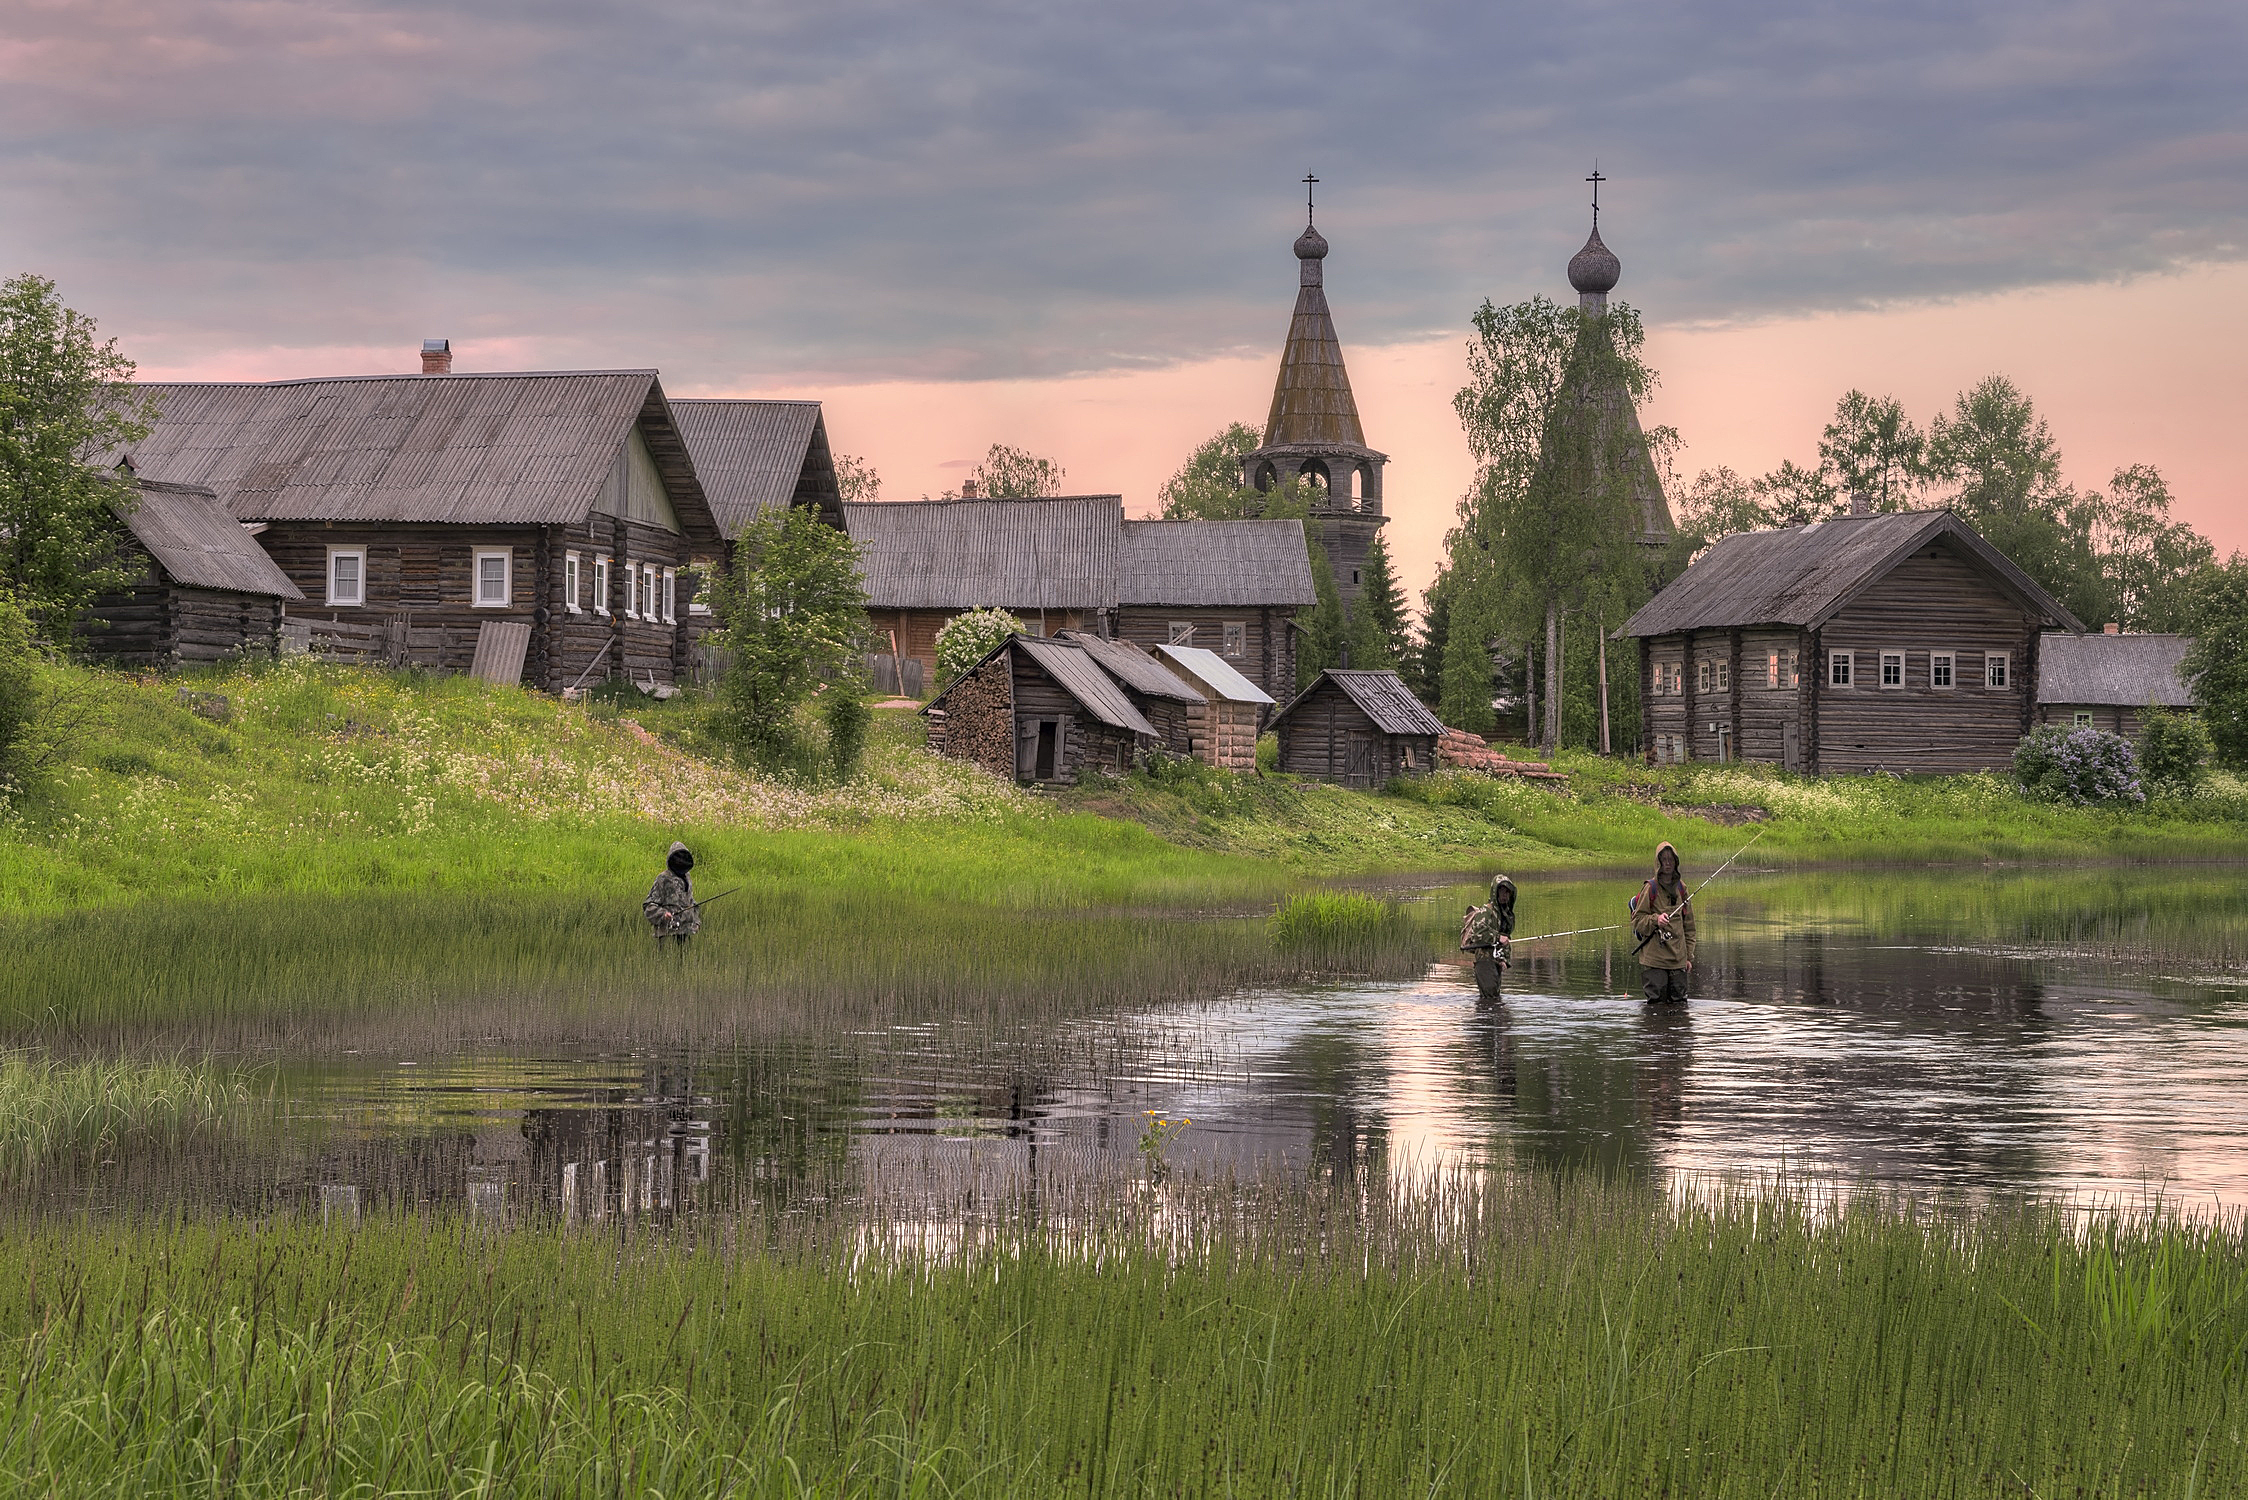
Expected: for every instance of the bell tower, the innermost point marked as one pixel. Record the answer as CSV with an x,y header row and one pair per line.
x,y
1313,432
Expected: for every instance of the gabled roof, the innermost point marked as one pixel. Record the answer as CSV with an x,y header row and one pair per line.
x,y
759,456
199,545
531,449
1200,664
971,554
2126,671
1189,563
1082,678
1129,665
1804,575
1383,696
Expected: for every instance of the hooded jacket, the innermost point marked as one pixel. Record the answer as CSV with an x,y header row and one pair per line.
x,y
670,907
1675,951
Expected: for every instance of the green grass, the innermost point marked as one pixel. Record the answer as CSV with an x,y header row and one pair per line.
x,y
1544,1337
53,1110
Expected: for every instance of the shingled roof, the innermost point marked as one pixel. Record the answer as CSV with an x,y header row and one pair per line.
x,y
1186,563
199,545
470,449
1082,677
2126,671
1133,667
972,554
759,456
1803,575
1383,696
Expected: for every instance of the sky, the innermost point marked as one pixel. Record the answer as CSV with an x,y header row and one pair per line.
x,y
1065,226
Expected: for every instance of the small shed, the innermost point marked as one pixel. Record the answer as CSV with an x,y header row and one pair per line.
x,y
1158,693
1222,728
2109,681
1038,711
206,589
1359,727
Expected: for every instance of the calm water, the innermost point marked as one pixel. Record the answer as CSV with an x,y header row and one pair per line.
x,y
1977,1033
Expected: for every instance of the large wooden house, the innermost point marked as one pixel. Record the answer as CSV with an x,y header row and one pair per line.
x,y
205,589
1360,727
2110,681
1075,563
424,507
1898,642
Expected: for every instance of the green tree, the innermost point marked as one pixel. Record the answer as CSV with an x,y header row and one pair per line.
x,y
1795,496
1872,447
1208,485
966,639
66,402
1716,505
1380,635
793,609
1426,671
856,479
1013,474
2148,563
1319,645
2216,666
2001,456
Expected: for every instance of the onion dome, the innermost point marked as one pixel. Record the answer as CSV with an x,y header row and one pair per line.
x,y
1594,269
1312,245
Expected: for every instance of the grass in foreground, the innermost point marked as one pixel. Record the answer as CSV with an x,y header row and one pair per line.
x,y
1551,1337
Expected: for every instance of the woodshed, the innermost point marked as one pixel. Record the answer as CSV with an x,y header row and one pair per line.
x,y
1039,711
206,589
1222,729
1357,726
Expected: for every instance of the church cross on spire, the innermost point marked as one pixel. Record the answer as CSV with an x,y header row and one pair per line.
x,y
1596,179
1309,180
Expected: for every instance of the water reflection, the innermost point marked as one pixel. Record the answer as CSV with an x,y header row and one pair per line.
x,y
1815,1050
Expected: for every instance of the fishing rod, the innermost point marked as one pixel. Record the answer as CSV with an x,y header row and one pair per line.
x,y
699,905
1572,932
1697,890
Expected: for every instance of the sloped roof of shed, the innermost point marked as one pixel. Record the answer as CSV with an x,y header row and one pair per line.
x,y
1200,664
1082,678
758,456
1214,563
972,554
529,449
2126,671
1383,696
199,545
1133,667
1803,575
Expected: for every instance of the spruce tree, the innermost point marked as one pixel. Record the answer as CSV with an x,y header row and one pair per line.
x,y
1378,631
1320,646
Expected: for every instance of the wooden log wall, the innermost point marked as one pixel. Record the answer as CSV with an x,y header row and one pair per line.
x,y
638,649
161,624
1268,656
1329,738
1224,734
1085,740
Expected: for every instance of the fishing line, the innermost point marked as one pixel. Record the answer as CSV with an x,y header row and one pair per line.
x,y
1697,890
1620,926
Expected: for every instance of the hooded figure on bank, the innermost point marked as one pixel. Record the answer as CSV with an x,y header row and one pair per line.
x,y
670,907
1662,918
1488,933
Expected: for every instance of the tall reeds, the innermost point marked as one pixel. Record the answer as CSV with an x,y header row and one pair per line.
x,y
51,1110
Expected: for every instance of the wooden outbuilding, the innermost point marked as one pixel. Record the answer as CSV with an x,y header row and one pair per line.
x,y
1222,728
2110,681
206,590
1161,697
412,511
1359,727
1040,712
1901,642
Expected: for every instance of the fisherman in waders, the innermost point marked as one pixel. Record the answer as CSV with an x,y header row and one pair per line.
x,y
1488,933
670,907
1662,918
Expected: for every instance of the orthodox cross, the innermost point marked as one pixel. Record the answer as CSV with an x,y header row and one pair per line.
x,y
1596,179
1308,181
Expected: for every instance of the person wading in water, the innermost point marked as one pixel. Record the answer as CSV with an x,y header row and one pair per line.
x,y
670,907
1662,918
1487,934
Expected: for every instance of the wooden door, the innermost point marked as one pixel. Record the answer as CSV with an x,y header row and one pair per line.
x,y
1358,762
1791,747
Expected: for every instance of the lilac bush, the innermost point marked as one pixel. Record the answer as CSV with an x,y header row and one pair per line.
x,y
2078,765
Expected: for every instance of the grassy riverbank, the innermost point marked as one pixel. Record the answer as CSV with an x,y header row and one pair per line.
x,y
1556,1337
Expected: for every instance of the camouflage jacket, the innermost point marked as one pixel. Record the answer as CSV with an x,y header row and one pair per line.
x,y
670,907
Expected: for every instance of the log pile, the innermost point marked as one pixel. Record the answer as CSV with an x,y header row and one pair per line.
x,y
978,718
1460,751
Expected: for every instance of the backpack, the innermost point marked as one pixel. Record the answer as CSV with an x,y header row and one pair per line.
x,y
1479,930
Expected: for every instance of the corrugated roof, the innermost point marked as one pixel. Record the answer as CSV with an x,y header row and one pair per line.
x,y
199,545
2127,671
1082,678
1804,574
1200,664
1214,563
752,456
523,448
970,554
1382,694
1133,667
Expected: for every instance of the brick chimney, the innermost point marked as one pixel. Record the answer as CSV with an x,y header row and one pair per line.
x,y
437,356
1861,503
2112,628
967,489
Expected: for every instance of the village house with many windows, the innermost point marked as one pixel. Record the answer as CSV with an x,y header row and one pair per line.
x,y
1898,642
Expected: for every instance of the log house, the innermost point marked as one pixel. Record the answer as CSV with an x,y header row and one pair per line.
x,y
1359,727
2110,681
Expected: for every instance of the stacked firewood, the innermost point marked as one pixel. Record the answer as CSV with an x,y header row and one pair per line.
x,y
1462,751
979,720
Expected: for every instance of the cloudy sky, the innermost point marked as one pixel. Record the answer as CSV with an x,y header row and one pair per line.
x,y
1065,225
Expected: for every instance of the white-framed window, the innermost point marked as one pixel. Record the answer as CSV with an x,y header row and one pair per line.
x,y
601,585
2082,719
1839,664
1701,677
1677,678
347,575
1943,670
1723,673
495,577
671,596
1892,669
1236,638
1179,632
1998,669
648,593
631,589
570,583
